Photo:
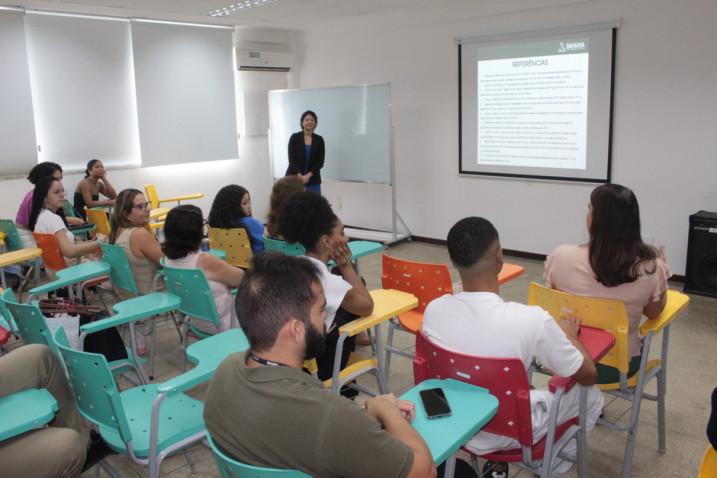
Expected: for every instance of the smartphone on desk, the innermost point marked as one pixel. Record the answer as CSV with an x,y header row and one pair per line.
x,y
435,403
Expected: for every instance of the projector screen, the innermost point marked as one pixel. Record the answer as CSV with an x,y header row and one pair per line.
x,y
537,105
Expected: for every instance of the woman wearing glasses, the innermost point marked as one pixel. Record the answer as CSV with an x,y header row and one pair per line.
x,y
128,225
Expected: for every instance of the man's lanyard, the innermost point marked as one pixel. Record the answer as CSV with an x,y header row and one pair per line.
x,y
262,361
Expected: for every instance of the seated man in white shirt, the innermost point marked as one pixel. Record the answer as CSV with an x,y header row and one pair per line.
x,y
478,322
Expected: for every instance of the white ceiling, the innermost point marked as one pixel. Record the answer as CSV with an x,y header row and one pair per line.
x,y
279,13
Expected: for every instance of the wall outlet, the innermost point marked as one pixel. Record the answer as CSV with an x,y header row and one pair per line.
x,y
339,204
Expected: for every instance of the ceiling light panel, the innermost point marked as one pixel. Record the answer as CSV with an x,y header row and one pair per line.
x,y
235,7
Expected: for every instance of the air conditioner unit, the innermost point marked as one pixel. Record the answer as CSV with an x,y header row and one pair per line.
x,y
264,60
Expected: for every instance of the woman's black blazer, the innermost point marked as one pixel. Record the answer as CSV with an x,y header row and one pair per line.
x,y
297,156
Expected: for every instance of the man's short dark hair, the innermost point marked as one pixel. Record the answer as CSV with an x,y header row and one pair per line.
x,y
274,289
469,239
305,217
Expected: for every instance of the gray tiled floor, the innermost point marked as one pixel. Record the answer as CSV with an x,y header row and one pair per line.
x,y
690,381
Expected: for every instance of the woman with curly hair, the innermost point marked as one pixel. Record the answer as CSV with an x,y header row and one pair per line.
x,y
231,208
614,264
307,218
283,189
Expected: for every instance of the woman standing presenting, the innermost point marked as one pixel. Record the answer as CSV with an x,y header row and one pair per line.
x,y
306,153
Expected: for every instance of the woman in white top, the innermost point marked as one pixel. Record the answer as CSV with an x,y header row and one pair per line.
x,y
47,217
307,218
128,225
183,230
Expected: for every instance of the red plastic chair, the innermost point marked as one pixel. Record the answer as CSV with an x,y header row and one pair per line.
x,y
507,380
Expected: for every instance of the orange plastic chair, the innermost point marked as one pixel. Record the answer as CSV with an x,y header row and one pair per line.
x,y
51,254
427,281
55,261
98,217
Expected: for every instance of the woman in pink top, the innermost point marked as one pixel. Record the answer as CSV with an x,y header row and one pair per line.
x,y
615,264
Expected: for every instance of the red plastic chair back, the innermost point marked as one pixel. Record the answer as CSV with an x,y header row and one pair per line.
x,y
425,280
4,335
504,378
51,254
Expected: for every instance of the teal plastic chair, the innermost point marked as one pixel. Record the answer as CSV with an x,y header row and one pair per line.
x,y
122,277
148,422
284,247
6,320
192,287
12,237
26,410
33,329
13,242
230,468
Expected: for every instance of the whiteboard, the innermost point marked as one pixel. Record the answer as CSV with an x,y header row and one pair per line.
x,y
355,122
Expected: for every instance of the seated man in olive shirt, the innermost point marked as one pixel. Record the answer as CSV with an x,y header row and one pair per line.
x,y
262,409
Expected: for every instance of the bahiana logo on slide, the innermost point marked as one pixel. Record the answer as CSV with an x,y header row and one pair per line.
x,y
571,46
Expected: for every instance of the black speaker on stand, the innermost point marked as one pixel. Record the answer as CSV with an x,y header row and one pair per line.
x,y
701,270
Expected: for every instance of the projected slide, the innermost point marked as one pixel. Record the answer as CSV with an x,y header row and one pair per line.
x,y
537,107
533,111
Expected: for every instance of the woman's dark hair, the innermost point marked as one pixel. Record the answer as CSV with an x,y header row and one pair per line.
x,y
123,207
42,187
304,115
41,170
306,217
90,163
226,208
616,247
183,229
283,189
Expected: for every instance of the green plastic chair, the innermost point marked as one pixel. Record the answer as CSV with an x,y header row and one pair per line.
x,y
230,468
26,410
284,247
6,320
13,242
148,422
33,329
192,287
120,269
122,277
12,237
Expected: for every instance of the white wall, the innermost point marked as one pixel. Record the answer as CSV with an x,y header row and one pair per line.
x,y
664,138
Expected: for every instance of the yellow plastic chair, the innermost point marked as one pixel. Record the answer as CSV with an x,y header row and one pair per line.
x,y
20,256
387,303
709,464
98,217
611,315
156,202
235,242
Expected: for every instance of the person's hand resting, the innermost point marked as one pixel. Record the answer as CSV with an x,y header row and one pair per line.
x,y
382,406
570,324
341,254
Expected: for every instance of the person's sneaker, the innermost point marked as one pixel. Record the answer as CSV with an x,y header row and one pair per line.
x,y
495,469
